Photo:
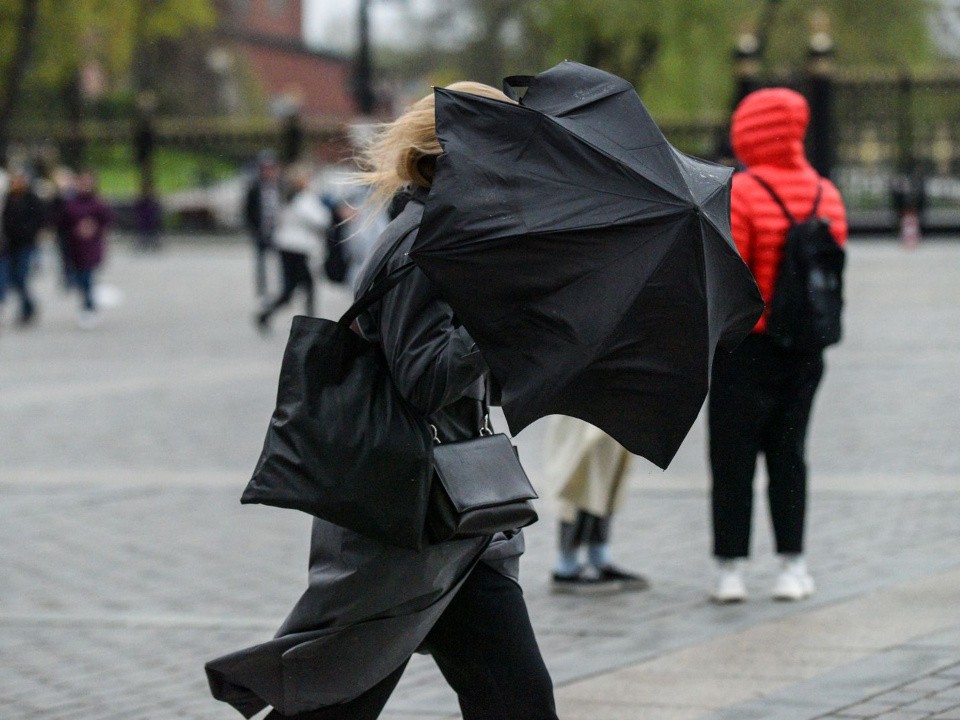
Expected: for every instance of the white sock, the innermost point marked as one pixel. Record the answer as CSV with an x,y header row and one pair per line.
x,y
795,564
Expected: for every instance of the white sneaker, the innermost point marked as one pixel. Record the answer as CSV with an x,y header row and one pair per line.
x,y
730,587
794,581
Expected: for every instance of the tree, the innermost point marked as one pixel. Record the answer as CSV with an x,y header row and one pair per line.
x,y
66,35
14,71
678,54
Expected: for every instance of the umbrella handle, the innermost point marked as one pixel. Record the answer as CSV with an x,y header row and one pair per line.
x,y
514,83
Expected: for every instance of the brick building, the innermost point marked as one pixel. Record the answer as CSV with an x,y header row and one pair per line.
x,y
268,36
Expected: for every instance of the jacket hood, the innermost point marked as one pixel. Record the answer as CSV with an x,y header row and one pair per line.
x,y
769,126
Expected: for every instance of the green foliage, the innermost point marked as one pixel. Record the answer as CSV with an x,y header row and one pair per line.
x,y
71,32
874,34
680,55
173,169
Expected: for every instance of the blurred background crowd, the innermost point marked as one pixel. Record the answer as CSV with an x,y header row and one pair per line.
x,y
183,117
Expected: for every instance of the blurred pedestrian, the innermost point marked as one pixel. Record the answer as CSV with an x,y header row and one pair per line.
x,y
85,219
762,394
369,606
299,235
260,211
909,198
64,182
587,470
363,224
23,217
4,262
148,218
336,263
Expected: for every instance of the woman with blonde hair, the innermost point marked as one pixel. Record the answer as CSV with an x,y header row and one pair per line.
x,y
370,606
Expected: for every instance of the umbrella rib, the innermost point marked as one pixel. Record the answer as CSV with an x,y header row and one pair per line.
x,y
720,231
580,228
617,194
600,226
607,155
709,197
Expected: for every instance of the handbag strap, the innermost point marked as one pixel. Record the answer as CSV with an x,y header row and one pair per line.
x,y
485,428
381,287
483,421
375,293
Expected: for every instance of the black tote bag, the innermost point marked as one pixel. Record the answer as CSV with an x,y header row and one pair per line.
x,y
342,444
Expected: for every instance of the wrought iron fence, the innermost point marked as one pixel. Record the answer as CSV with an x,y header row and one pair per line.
x,y
898,140
888,139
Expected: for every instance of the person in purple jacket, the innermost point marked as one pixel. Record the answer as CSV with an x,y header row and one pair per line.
x,y
85,220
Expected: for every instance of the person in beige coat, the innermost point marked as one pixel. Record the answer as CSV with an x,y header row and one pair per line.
x,y
587,472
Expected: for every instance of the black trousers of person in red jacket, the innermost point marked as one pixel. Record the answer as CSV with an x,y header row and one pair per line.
x,y
760,402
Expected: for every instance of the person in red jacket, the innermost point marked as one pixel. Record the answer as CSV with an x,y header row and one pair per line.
x,y
761,394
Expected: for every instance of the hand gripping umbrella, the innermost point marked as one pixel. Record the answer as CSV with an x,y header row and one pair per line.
x,y
590,260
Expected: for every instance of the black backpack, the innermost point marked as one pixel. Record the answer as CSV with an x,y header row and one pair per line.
x,y
337,264
807,303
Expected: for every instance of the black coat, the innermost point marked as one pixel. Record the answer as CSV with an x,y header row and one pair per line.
x,y
253,212
23,216
369,606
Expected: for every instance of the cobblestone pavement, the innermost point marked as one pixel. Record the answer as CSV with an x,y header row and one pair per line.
x,y
936,695
127,560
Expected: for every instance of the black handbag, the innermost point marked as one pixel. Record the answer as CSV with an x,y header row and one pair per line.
x,y
343,444
479,488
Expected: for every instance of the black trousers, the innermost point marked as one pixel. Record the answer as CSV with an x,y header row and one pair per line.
x,y
261,246
485,647
296,274
760,402
587,529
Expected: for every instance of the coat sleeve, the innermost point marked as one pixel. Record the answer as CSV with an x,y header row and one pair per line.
x,y
832,206
104,215
432,360
251,211
313,213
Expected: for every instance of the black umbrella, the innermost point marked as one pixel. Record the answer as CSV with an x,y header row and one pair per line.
x,y
591,261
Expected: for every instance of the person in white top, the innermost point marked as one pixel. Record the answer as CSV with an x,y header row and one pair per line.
x,y
298,237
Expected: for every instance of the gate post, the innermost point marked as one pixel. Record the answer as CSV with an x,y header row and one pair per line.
x,y
907,188
747,56
145,137
291,138
820,89
74,147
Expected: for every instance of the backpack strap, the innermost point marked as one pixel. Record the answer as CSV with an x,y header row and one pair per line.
x,y
776,198
783,206
816,200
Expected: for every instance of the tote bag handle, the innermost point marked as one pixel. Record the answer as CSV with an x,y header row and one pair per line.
x,y
375,293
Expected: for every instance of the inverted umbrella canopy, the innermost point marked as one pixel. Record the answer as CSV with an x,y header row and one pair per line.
x,y
590,260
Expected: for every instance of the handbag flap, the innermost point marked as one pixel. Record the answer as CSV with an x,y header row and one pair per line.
x,y
482,472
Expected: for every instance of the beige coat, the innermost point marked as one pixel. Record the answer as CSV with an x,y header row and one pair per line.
x,y
586,468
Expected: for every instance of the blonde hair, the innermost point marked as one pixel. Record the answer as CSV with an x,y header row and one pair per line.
x,y
404,152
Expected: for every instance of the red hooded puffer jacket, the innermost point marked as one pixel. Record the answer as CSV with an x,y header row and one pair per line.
x,y
767,135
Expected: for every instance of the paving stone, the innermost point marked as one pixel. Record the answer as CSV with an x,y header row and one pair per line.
x,y
931,684
127,560
869,709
